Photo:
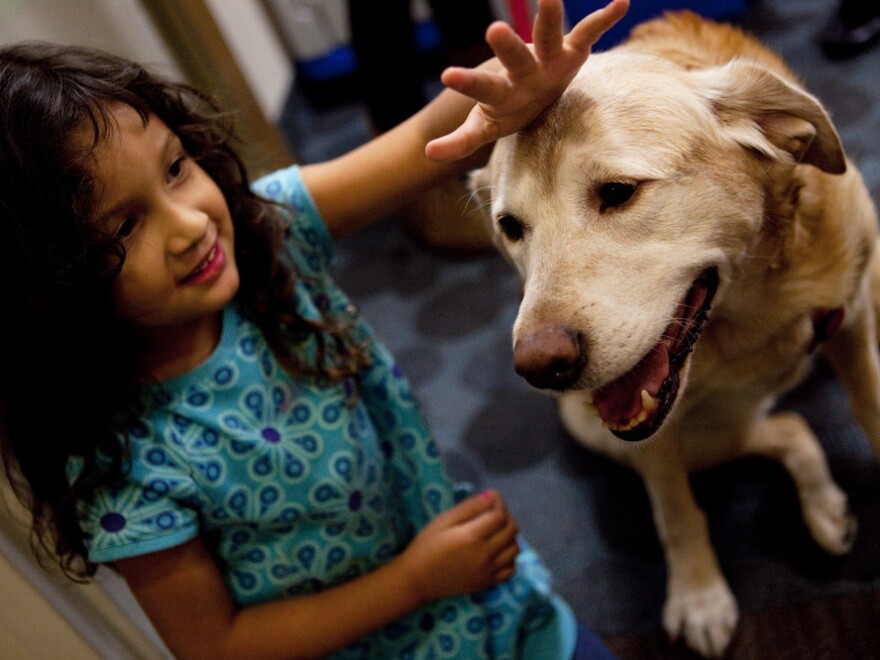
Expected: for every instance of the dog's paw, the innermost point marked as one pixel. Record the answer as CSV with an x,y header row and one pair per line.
x,y
829,520
706,618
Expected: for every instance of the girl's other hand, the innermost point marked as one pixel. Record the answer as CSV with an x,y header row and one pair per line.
x,y
468,548
514,88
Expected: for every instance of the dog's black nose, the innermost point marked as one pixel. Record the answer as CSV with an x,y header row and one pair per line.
x,y
549,358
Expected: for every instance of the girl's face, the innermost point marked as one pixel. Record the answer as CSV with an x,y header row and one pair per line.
x,y
173,220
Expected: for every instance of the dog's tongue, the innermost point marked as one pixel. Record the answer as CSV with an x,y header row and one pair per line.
x,y
620,401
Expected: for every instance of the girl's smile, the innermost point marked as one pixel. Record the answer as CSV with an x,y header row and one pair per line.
x,y
172,218
210,268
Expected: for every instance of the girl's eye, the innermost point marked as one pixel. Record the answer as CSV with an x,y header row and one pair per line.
x,y
511,227
176,167
615,194
126,227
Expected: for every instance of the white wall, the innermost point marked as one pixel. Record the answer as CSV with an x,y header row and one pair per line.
x,y
124,28
119,26
44,616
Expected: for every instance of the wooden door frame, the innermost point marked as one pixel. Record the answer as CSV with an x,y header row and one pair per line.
x,y
198,46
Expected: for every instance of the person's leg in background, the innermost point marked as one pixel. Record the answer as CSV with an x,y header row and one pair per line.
x,y
384,43
853,28
462,24
391,77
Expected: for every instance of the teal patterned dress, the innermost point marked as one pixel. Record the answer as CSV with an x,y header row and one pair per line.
x,y
293,489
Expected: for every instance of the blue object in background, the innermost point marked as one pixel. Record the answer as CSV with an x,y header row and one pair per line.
x,y
337,63
341,61
642,10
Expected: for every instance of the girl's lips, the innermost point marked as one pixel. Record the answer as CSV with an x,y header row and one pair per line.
x,y
209,268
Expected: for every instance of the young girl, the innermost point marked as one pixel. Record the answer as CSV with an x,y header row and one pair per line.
x,y
190,399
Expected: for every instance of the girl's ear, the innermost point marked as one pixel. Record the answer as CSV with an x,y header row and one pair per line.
x,y
760,110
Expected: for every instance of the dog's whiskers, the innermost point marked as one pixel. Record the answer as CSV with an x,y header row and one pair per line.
x,y
475,194
684,325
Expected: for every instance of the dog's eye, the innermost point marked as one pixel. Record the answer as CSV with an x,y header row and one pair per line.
x,y
616,193
511,227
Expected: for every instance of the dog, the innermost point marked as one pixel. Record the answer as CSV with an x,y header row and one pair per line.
x,y
690,235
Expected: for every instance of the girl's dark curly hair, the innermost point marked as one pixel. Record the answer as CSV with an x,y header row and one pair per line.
x,y
70,380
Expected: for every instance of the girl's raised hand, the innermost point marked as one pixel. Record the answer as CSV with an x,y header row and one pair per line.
x,y
514,88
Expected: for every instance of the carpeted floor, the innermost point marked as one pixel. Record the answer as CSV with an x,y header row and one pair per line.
x,y
448,321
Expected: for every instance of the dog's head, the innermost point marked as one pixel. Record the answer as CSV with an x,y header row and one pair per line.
x,y
628,206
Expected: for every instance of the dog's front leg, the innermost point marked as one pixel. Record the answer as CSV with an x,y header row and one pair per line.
x,y
785,437
853,354
699,604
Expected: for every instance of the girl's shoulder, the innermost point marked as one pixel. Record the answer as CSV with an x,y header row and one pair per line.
x,y
307,232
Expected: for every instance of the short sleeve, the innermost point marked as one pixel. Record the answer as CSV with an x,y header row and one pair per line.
x,y
153,509
308,232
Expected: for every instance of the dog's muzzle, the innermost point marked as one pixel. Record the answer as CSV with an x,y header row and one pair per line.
x,y
635,405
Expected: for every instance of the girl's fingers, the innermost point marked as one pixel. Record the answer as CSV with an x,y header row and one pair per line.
x,y
482,86
493,527
455,146
469,509
462,142
547,31
446,148
504,535
504,574
588,30
488,526
505,563
507,556
510,50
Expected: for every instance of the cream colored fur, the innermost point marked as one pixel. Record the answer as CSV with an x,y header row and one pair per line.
x,y
738,168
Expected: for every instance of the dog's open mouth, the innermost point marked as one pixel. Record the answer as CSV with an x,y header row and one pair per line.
x,y
634,406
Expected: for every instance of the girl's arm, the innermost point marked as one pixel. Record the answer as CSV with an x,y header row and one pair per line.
x,y
445,138
466,549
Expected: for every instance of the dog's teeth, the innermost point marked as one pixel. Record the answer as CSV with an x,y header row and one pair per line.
x,y
629,426
591,407
649,403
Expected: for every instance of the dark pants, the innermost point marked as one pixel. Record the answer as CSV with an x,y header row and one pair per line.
x,y
590,646
389,65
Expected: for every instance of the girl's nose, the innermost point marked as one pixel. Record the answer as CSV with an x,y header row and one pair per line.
x,y
188,226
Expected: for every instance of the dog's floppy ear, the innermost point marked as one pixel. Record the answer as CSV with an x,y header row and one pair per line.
x,y
763,111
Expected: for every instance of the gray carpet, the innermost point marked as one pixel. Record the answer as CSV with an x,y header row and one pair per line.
x,y
448,321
